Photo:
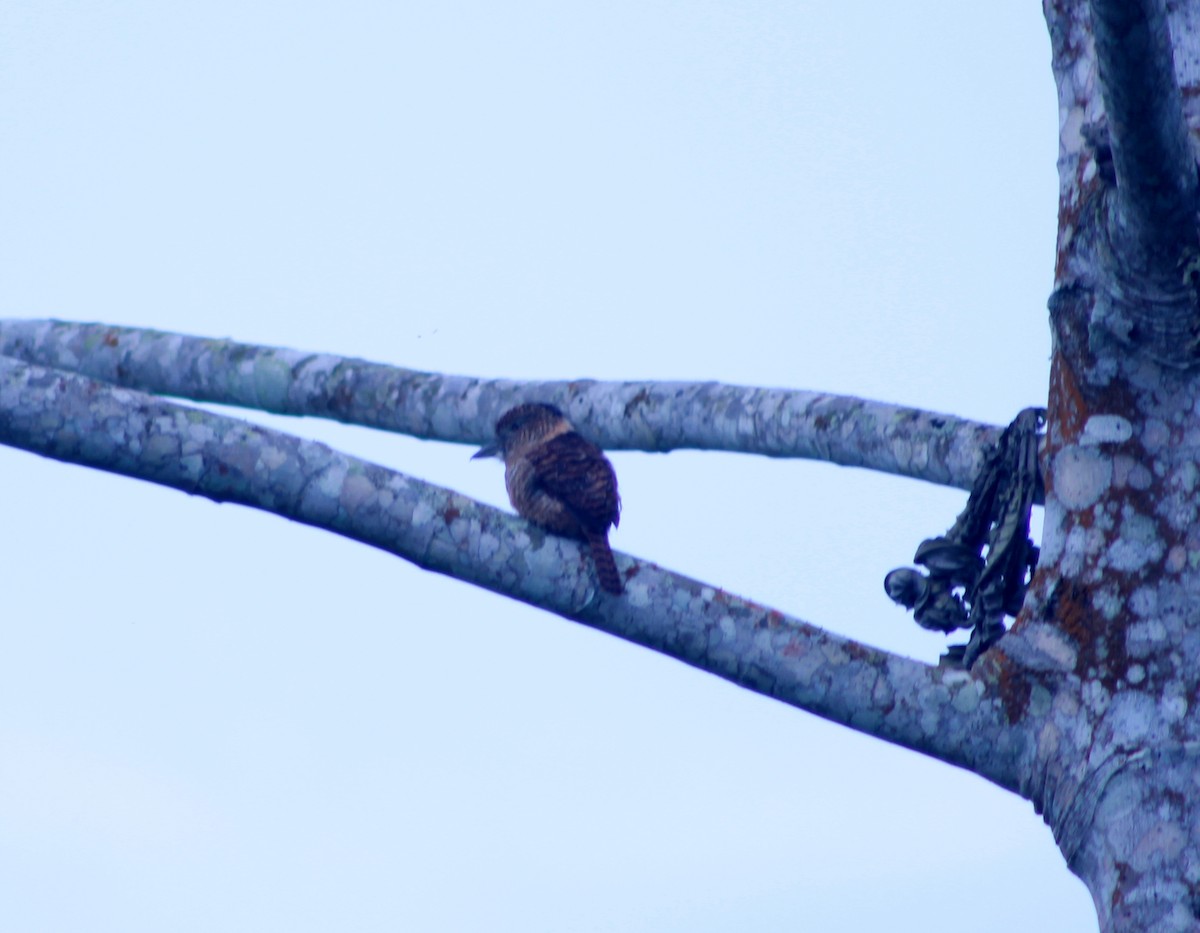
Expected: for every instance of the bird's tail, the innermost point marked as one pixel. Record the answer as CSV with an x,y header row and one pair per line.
x,y
606,567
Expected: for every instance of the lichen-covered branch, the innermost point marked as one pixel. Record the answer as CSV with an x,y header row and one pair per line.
x,y
943,713
652,416
1155,220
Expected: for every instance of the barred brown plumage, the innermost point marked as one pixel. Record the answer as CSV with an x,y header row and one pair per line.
x,y
558,479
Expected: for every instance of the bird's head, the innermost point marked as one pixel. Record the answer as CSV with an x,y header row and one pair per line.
x,y
524,424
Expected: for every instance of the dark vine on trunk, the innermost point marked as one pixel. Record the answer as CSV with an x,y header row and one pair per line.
x,y
966,587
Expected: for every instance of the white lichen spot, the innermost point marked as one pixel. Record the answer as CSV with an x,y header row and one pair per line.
x,y
1137,545
330,482
546,563
1161,843
1095,696
768,642
707,593
1185,476
489,546
356,490
1174,708
1155,435
728,627
835,654
422,513
1143,638
1106,600
1075,551
1144,601
272,377
1178,510
1122,466
1140,477
272,458
191,465
198,434
1128,472
882,694
162,447
967,697
1081,476
637,594
1136,674
1131,717
921,457
1052,645
1177,559
1106,429
1066,705
1052,532
1039,700
1071,135
1048,739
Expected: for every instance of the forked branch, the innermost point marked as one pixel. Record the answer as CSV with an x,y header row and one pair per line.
x,y
944,713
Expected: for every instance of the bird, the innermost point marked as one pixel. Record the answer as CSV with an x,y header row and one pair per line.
x,y
559,480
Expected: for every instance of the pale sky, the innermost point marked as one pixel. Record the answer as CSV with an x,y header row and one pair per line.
x,y
212,719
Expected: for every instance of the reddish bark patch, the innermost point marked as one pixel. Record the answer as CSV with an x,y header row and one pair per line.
x,y
773,619
1101,645
859,652
1014,687
1067,407
451,514
1124,871
1071,612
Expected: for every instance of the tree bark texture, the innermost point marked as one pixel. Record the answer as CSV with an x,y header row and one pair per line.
x,y
1111,628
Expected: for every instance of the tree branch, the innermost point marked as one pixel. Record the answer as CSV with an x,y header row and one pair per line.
x,y
947,714
651,416
1155,227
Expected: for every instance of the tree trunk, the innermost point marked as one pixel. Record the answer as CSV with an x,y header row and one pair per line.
x,y
1104,663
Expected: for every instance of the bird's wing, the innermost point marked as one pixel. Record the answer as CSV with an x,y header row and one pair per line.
x,y
576,472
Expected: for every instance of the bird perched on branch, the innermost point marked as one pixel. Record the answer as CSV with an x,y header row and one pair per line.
x,y
558,479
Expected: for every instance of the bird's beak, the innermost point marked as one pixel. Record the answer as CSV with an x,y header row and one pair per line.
x,y
491,450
